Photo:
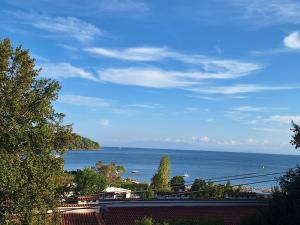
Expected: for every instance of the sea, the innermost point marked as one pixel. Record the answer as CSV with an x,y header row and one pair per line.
x,y
246,169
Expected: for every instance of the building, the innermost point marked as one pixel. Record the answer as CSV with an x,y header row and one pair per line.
x,y
108,194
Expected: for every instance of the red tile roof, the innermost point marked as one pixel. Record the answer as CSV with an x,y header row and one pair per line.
x,y
82,219
128,215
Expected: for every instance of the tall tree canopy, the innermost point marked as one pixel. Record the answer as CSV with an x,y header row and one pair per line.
x,y
30,132
89,181
160,180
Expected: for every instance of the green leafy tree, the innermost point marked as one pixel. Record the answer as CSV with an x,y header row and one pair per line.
x,y
144,221
89,181
177,183
296,137
30,133
111,171
160,180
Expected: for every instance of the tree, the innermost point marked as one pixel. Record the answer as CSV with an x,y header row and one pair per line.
x,y
177,183
111,171
144,221
30,133
296,137
160,180
89,181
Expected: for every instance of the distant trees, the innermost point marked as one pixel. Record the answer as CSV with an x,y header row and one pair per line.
x,y
177,183
160,180
30,131
203,189
83,143
89,181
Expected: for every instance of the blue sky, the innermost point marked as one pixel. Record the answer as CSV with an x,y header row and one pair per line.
x,y
213,75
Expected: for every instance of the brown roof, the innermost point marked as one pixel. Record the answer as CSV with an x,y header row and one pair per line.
x,y
128,215
82,219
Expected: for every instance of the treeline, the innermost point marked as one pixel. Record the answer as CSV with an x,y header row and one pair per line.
x,y
83,143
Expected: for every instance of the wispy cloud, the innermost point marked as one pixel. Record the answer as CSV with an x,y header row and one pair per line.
x,y
240,88
158,78
285,118
69,27
264,13
65,70
211,67
146,77
79,100
146,106
248,109
94,103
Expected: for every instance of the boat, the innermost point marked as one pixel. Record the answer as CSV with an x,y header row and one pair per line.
x,y
134,171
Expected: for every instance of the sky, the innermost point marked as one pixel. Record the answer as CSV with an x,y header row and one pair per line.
x,y
208,75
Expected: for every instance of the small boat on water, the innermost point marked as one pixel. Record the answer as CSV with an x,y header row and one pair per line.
x,y
185,175
134,171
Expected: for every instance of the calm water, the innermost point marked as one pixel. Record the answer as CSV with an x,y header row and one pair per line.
x,y
204,164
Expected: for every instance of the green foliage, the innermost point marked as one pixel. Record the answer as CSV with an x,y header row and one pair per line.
x,y
30,131
296,136
148,194
177,183
89,181
111,171
202,189
144,221
83,143
160,180
150,221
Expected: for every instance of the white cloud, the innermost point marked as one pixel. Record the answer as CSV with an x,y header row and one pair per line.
x,y
285,118
85,101
240,88
252,141
205,139
146,106
65,26
104,123
145,77
292,40
248,109
65,70
210,68
264,13
158,78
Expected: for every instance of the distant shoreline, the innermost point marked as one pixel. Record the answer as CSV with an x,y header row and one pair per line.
x,y
204,150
